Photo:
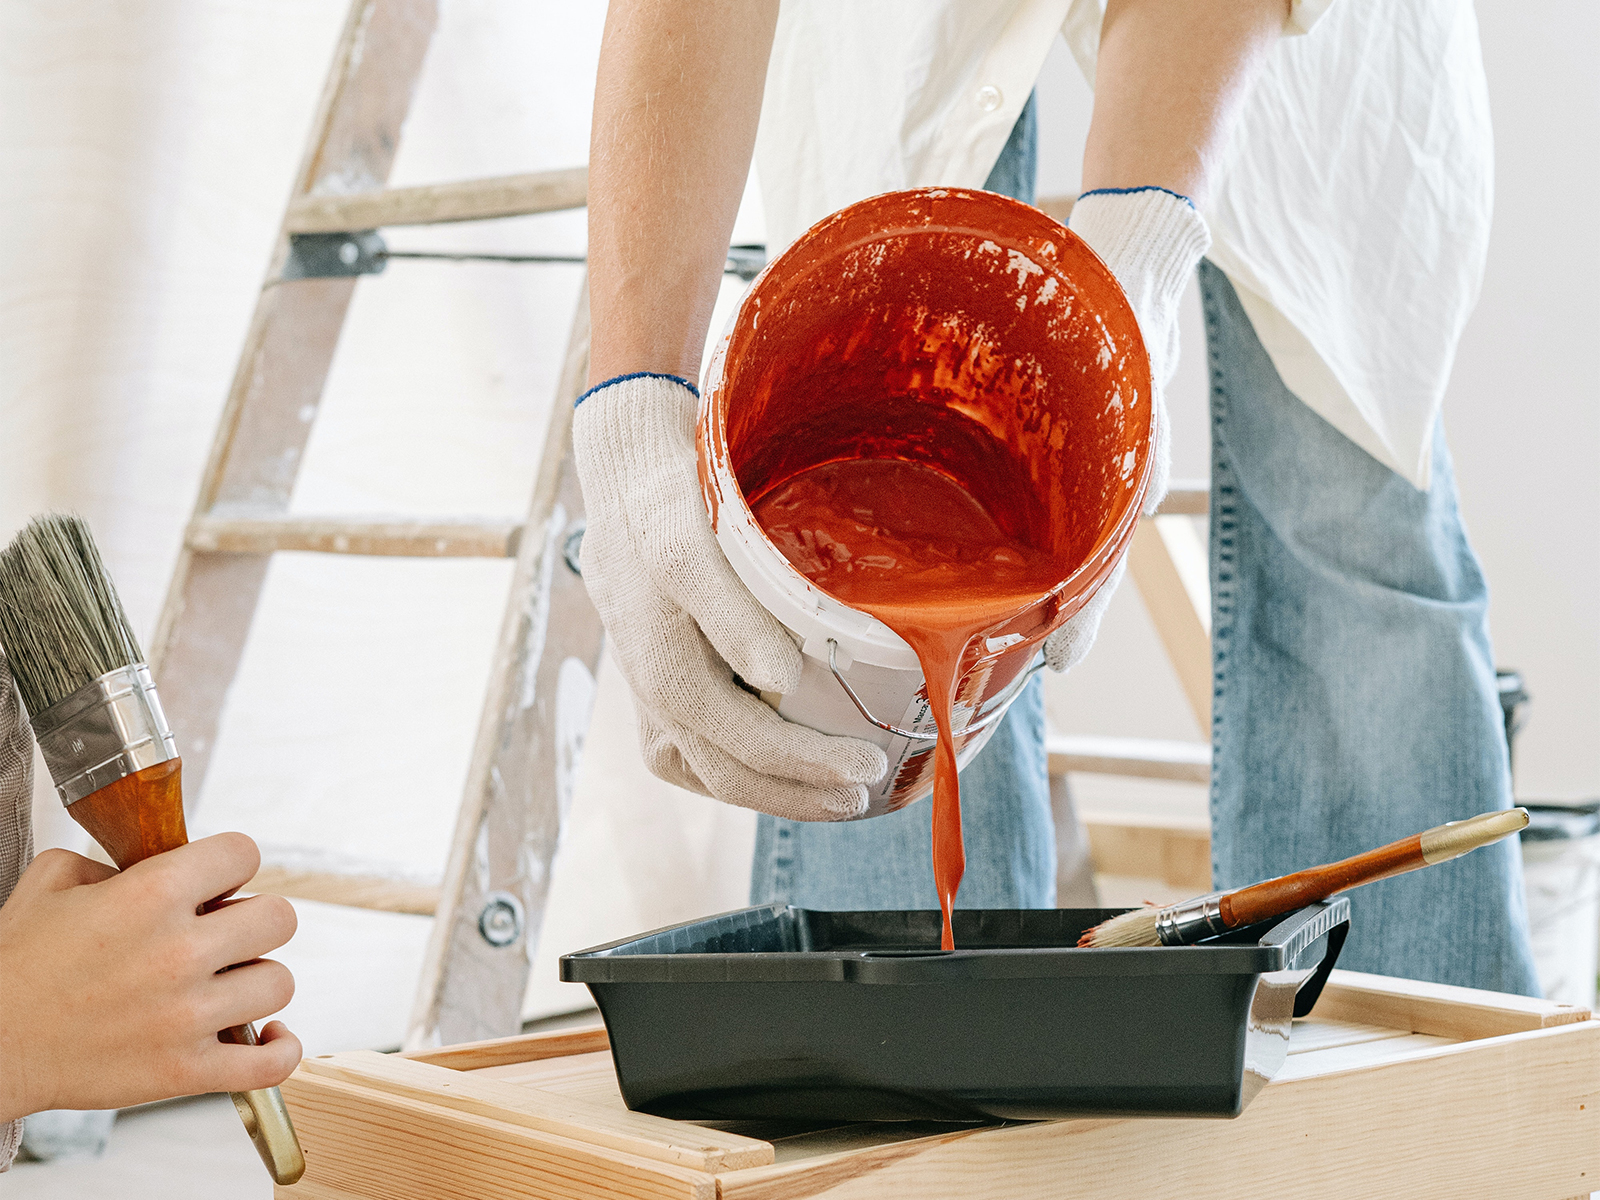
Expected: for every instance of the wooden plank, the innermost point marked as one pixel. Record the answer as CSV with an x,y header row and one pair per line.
x,y
586,1077
1168,561
523,1048
1450,1121
305,1190
1173,854
1146,758
277,386
526,756
1318,1033
1437,1008
533,1108
352,891
381,1146
440,203
394,536
1059,207
1186,497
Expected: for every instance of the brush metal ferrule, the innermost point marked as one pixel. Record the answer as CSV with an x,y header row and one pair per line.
x,y
1186,923
108,728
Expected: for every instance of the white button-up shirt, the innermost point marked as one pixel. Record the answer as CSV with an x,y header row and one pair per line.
x,y
1352,207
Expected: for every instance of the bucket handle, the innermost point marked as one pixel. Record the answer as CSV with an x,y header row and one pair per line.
x,y
996,711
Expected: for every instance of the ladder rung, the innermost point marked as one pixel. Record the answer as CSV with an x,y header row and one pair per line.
x,y
437,203
1145,758
352,891
1186,498
343,535
1179,854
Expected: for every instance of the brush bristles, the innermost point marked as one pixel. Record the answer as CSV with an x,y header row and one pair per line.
x,y
1136,928
61,621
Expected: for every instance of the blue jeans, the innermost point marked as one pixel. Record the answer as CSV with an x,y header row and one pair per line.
x,y
1355,699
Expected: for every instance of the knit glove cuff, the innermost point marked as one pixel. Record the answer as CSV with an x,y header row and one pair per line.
x,y
1153,240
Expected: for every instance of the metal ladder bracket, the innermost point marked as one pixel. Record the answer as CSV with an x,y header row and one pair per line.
x,y
335,255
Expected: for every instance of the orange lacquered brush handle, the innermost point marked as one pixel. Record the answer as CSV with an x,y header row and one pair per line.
x,y
140,815
1275,897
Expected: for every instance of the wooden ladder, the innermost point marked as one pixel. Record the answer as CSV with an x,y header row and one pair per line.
x,y
489,906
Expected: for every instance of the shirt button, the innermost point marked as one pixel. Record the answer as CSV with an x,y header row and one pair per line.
x,y
989,97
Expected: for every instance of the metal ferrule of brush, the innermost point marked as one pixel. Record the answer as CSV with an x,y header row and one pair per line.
x,y
1186,923
108,728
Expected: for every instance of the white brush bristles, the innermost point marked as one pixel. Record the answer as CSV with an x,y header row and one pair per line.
x,y
1136,928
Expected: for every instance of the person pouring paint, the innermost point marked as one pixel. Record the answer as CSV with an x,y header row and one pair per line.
x,y
1354,690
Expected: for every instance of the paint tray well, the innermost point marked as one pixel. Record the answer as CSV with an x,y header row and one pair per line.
x,y
789,1013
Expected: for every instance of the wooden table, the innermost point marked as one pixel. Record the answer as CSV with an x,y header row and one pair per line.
x,y
1392,1089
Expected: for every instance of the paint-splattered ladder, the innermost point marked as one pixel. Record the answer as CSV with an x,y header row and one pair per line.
x,y
487,922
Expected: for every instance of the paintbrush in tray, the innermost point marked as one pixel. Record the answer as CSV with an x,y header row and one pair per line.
x,y
99,724
1206,916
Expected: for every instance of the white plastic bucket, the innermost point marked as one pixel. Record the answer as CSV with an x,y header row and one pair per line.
x,y
1561,871
1071,340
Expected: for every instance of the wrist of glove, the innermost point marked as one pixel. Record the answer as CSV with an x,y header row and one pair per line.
x,y
1152,240
682,624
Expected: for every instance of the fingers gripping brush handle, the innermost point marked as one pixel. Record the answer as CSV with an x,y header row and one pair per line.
x,y
140,815
1206,916
100,727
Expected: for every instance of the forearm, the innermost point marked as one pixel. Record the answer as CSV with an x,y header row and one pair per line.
x,y
1170,79
677,101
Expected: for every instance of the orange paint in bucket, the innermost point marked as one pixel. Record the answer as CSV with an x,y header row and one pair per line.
x,y
924,444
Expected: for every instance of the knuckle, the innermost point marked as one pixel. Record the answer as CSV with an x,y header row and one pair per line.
x,y
242,852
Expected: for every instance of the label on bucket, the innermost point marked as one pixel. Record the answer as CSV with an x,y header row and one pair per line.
x,y
910,770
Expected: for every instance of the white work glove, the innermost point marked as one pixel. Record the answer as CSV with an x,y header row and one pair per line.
x,y
1152,240
682,624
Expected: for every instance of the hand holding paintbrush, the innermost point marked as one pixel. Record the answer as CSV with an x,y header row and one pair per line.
x,y
1207,916
99,724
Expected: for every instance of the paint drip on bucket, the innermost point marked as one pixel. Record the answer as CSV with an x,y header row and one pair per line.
x,y
924,443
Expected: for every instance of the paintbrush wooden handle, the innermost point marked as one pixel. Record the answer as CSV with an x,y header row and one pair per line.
x,y
140,815
1261,901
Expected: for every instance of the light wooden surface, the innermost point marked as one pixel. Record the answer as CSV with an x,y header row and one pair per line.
x,y
353,891
1148,758
1175,854
1168,561
608,1125
438,203
1432,1094
1437,1008
519,1049
394,536
1186,497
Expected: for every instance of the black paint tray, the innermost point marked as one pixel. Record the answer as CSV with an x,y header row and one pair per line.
x,y
788,1013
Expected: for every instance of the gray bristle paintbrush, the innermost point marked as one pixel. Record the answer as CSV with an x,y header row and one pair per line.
x,y
99,724
1206,916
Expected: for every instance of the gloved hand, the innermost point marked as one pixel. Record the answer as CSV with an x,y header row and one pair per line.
x,y
682,624
1152,240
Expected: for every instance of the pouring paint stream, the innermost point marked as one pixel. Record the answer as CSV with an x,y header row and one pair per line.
x,y
914,548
